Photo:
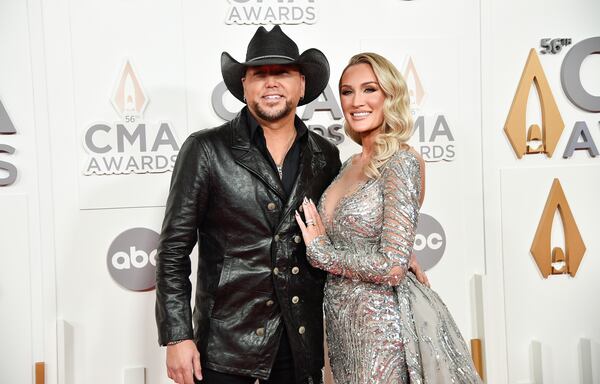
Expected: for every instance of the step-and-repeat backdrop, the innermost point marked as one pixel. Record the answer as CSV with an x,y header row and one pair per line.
x,y
96,99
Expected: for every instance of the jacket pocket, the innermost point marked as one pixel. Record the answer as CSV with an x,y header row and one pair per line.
x,y
223,289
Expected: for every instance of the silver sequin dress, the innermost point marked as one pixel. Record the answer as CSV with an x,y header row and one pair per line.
x,y
377,333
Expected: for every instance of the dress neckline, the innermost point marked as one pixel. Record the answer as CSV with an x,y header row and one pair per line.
x,y
328,219
342,200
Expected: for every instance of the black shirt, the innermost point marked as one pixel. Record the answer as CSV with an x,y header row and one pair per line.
x,y
291,162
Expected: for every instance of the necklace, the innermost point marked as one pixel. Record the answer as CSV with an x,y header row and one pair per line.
x,y
289,146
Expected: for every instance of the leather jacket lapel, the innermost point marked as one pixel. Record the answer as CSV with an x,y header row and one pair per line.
x,y
310,167
255,162
249,157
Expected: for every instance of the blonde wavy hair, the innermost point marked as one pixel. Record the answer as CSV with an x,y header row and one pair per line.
x,y
397,125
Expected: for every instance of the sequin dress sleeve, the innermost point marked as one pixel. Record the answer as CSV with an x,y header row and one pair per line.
x,y
401,189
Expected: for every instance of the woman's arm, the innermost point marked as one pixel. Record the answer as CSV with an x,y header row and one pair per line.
x,y
388,262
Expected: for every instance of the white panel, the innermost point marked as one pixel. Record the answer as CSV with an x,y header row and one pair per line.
x,y
477,307
585,363
536,362
108,322
509,30
15,292
105,35
16,95
543,309
66,355
25,261
134,375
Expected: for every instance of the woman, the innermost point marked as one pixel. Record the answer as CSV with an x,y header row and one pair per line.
x,y
383,326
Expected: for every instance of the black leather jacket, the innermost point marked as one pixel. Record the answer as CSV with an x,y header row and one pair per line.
x,y
252,270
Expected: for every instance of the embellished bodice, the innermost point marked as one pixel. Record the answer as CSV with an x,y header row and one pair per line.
x,y
371,229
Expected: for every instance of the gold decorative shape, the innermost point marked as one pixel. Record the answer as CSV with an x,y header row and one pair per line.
x,y
413,83
534,136
557,261
477,356
552,122
129,98
40,372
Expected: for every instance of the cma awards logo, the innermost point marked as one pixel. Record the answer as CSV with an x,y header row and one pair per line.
x,y
537,139
131,259
271,12
131,145
8,171
436,141
556,261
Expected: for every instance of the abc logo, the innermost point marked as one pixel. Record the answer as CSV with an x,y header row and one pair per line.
x,y
430,241
131,259
136,258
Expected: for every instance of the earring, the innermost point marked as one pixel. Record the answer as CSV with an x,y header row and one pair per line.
x,y
244,98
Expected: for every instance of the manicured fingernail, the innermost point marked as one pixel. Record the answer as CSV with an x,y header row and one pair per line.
x,y
305,200
312,202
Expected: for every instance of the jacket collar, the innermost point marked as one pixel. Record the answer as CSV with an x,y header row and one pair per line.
x,y
241,139
254,127
248,156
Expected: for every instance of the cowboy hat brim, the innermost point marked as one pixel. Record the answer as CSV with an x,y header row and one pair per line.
x,y
312,63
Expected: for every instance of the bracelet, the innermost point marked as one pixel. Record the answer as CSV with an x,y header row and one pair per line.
x,y
174,342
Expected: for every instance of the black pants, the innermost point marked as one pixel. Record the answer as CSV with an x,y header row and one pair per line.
x,y
281,373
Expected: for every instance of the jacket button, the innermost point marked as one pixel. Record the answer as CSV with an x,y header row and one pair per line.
x,y
270,303
276,271
297,239
295,299
260,331
295,270
301,330
271,206
276,237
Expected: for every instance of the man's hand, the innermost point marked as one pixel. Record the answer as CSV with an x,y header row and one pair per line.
x,y
415,268
183,362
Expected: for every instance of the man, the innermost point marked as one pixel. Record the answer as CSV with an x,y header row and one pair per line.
x,y
234,189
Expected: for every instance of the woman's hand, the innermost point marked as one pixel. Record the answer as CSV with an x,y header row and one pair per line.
x,y
415,268
314,225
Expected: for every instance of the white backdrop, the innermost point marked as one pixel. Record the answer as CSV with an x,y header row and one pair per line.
x,y
85,178
525,308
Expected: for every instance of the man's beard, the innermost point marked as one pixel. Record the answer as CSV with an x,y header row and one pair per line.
x,y
273,115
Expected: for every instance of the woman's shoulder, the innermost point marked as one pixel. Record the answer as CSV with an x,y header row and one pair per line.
x,y
407,159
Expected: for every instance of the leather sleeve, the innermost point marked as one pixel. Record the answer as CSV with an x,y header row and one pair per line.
x,y
188,196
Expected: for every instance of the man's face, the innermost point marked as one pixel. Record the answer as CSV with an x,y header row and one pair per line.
x,y
272,92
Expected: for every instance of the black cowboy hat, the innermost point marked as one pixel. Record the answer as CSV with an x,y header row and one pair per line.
x,y
275,47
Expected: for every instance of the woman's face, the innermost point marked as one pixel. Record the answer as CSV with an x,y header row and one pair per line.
x,y
362,98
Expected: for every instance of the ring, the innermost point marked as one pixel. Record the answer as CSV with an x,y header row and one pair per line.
x,y
310,222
